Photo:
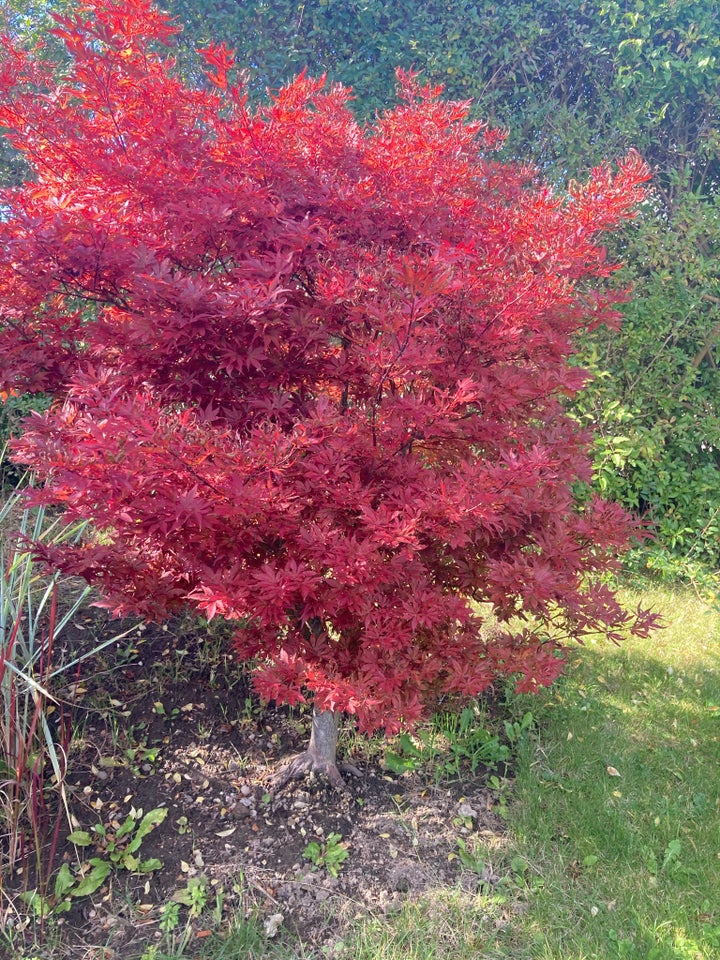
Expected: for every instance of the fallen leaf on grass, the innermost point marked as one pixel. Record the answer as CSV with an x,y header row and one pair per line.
x,y
613,772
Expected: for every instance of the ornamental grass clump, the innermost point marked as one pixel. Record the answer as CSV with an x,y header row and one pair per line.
x,y
35,609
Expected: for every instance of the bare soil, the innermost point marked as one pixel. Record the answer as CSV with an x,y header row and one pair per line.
x,y
166,718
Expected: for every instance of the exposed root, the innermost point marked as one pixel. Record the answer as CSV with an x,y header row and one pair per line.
x,y
350,768
304,763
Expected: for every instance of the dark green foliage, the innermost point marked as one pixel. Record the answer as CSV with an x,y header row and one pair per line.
x,y
654,402
13,410
573,82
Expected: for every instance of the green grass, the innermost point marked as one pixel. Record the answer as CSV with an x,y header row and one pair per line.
x,y
245,940
629,864
601,866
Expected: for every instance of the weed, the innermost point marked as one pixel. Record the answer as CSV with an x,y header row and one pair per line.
x,y
194,896
469,857
516,730
453,742
141,757
121,843
331,854
118,847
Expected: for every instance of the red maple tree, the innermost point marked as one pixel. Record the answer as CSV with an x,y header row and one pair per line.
x,y
308,376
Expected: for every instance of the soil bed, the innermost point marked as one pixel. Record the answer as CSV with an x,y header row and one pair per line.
x,y
167,719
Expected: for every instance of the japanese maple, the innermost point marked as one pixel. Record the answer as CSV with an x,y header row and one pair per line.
x,y
308,376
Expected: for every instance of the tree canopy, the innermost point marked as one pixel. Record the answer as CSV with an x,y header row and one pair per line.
x,y
308,375
573,85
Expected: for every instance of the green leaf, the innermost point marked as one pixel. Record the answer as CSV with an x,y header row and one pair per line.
x,y
313,852
81,838
94,880
150,865
126,828
63,882
408,747
183,896
35,901
152,818
672,853
134,844
399,765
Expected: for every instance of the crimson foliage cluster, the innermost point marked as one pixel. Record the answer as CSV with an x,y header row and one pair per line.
x,y
308,375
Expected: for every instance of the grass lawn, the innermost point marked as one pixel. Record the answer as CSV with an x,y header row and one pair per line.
x,y
614,848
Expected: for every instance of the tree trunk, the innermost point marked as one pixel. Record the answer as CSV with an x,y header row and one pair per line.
x,y
324,736
320,756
